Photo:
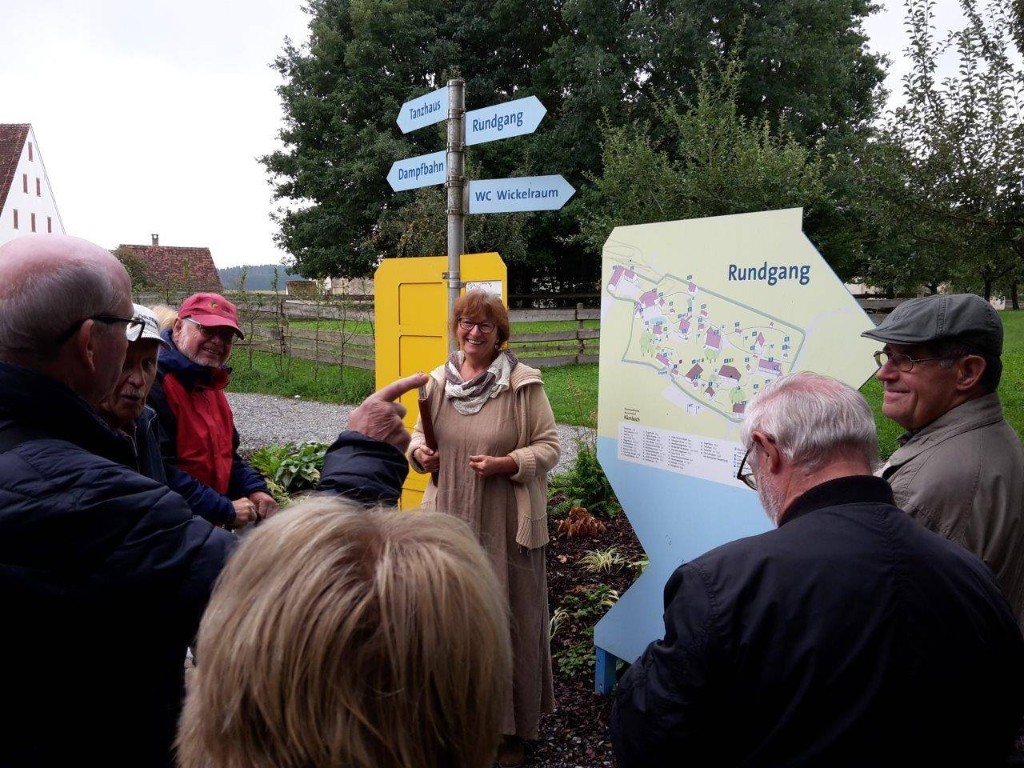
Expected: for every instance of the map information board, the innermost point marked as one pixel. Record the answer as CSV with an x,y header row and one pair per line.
x,y
697,317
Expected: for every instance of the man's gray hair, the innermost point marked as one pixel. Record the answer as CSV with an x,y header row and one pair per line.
x,y
811,418
36,310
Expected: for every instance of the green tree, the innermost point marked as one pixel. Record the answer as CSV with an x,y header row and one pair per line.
x,y
589,61
959,149
135,268
709,161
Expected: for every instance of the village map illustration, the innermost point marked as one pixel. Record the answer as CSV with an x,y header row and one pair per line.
x,y
714,350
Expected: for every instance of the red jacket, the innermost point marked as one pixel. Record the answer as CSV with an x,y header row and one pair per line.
x,y
198,426
206,428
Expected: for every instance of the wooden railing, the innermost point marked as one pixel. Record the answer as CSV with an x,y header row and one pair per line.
x,y
267,323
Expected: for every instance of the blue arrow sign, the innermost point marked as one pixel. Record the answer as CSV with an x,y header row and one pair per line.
x,y
529,193
423,111
422,171
503,121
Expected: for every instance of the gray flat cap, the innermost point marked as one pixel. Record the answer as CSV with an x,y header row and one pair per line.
x,y
963,317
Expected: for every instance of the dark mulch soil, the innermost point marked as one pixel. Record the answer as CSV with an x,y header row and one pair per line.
x,y
576,735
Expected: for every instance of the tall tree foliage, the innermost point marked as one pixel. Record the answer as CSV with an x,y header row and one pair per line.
x,y
705,159
589,61
959,149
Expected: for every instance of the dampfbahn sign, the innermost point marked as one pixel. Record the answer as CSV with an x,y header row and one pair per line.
x,y
423,111
414,172
529,193
503,121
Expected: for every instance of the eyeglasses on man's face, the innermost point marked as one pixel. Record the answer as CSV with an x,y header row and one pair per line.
x,y
224,333
468,325
745,474
903,363
133,326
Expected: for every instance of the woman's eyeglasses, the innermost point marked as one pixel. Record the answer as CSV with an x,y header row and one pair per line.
x,y
468,325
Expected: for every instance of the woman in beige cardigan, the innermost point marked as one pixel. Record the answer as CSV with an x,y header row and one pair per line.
x,y
496,441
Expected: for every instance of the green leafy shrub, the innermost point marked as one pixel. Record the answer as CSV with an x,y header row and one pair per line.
x,y
583,485
291,467
587,605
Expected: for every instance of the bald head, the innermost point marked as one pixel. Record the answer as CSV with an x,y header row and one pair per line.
x,y
51,289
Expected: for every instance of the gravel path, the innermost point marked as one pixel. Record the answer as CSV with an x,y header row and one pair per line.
x,y
265,420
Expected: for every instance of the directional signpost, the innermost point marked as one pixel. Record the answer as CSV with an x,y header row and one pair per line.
x,y
414,172
529,193
503,121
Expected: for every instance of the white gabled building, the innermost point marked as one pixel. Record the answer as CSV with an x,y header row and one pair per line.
x,y
26,200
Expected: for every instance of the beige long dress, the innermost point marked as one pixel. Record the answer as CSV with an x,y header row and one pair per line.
x,y
490,507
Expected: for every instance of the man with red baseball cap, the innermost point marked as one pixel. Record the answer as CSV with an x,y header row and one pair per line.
x,y
189,398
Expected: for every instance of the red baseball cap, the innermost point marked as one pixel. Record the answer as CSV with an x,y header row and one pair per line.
x,y
211,310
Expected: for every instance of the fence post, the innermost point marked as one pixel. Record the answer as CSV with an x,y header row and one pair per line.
x,y
579,337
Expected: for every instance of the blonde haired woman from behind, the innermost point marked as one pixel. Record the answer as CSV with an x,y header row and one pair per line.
x,y
341,637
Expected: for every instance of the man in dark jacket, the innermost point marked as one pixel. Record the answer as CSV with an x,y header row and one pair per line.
x,y
849,636
104,573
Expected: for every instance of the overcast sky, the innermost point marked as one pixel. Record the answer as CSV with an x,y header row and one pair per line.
x,y
150,114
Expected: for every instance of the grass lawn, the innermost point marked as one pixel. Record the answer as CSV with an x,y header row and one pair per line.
x,y
573,389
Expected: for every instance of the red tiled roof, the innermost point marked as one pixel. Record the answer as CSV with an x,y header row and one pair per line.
x,y
12,141
181,268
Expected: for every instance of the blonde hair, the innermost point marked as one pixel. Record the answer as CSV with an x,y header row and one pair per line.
x,y
165,315
345,637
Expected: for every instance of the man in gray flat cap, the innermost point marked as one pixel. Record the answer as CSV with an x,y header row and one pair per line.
x,y
959,469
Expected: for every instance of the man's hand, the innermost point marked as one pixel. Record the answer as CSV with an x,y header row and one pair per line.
x,y
245,513
265,504
380,417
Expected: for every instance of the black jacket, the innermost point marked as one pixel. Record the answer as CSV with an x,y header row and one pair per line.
x,y
104,574
363,469
202,499
849,636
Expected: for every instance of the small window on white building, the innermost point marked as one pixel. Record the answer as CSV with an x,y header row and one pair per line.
x,y
49,225
39,187
30,151
24,183
32,219
15,212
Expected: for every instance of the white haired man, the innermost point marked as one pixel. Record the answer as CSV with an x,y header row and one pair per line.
x,y
848,636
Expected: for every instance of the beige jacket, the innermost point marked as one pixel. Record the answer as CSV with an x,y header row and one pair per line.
x,y
537,449
962,476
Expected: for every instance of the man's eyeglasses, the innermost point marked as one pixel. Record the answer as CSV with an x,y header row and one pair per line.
x,y
745,474
903,363
467,325
224,333
133,326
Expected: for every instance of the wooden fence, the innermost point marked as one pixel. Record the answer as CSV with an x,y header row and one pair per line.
x,y
269,324
270,329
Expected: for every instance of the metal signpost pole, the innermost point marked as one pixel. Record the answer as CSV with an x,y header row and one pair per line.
x,y
455,184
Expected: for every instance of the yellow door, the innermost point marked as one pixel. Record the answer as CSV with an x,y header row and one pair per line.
x,y
411,317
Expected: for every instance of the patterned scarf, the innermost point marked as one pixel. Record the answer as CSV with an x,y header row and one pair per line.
x,y
468,397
